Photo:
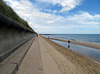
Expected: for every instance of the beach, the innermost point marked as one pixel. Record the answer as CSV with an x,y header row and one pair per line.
x,y
49,36
87,44
71,62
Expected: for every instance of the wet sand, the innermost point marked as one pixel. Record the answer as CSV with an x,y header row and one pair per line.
x,y
71,62
87,44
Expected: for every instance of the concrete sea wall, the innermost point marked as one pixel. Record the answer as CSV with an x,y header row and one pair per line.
x,y
12,36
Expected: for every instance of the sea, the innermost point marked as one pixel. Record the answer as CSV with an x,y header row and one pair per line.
x,y
87,51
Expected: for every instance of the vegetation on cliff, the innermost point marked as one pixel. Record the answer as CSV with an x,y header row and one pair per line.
x,y
8,11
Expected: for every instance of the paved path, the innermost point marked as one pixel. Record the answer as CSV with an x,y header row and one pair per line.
x,y
48,62
32,61
43,58
38,60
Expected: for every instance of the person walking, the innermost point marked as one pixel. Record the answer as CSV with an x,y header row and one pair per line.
x,y
68,43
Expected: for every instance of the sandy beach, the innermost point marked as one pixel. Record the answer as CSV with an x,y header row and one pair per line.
x,y
71,62
29,30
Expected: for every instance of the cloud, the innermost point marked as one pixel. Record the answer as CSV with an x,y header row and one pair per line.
x,y
43,22
84,18
54,11
28,12
69,4
50,22
66,5
48,10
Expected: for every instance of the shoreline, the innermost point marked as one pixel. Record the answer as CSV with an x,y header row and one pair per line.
x,y
85,63
81,43
87,44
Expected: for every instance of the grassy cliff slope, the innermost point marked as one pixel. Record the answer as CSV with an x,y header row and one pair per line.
x,y
8,11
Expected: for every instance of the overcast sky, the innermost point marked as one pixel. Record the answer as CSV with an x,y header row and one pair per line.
x,y
60,16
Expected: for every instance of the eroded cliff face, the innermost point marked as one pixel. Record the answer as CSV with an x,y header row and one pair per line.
x,y
12,35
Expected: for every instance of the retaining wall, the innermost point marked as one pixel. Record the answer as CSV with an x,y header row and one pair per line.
x,y
12,35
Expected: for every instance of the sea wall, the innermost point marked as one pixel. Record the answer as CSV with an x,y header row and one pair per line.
x,y
12,35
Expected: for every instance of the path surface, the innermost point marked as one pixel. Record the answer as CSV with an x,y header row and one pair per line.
x,y
48,62
32,61
38,60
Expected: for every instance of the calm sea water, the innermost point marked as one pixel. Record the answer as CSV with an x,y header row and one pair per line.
x,y
78,37
87,51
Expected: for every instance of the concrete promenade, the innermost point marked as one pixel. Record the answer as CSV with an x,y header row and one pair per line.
x,y
39,60
45,57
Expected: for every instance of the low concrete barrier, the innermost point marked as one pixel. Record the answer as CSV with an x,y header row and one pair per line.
x,y
13,62
12,35
87,44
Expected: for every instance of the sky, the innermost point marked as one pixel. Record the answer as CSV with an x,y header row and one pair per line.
x,y
59,16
